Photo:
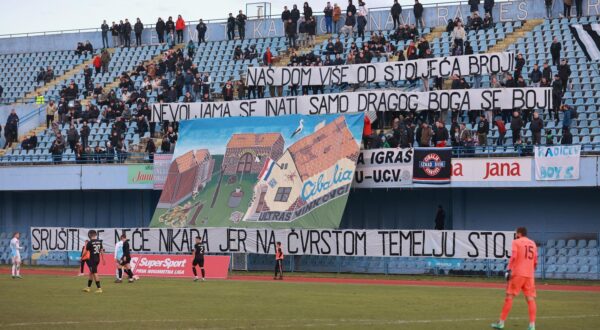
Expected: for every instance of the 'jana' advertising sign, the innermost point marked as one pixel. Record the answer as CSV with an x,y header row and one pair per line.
x,y
140,174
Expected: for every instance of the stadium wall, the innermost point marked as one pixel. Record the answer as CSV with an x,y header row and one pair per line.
x,y
139,176
101,208
379,19
545,211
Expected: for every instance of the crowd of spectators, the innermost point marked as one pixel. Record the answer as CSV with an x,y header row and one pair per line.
x,y
176,78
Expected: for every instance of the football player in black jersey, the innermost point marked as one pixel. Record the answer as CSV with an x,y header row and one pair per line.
x,y
198,258
96,250
126,258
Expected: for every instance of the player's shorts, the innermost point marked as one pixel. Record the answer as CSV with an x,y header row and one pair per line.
x,y
198,262
92,265
516,284
125,261
16,258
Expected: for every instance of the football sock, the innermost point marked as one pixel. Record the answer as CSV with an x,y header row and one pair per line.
x,y
18,270
194,270
120,272
202,271
14,270
532,307
129,273
89,283
506,309
98,284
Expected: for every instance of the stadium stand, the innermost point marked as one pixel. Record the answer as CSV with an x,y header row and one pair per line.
x,y
559,259
19,72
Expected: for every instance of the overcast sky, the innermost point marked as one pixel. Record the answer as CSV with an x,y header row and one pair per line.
x,y
49,15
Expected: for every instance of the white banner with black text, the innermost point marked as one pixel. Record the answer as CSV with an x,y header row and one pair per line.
x,y
329,242
557,162
464,65
384,168
372,100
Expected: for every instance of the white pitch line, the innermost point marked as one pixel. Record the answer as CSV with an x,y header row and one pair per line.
x,y
316,322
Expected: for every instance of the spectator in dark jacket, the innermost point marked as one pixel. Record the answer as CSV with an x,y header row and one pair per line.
x,y
483,129
231,27
564,73
126,33
104,28
519,64
170,29
555,48
84,132
557,93
241,24
151,149
227,91
567,116
160,30
567,137
11,128
286,15
535,76
440,218
351,9
441,136
138,28
72,137
295,14
474,5
488,7
536,127
116,34
516,124
57,148
418,12
328,13
307,11
396,11
547,72
201,28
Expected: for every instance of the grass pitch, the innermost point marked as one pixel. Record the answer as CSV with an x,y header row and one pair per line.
x,y
56,302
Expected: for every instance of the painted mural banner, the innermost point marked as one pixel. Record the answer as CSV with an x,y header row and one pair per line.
x,y
491,169
464,65
476,244
384,168
140,174
161,169
432,165
370,100
291,171
164,265
557,162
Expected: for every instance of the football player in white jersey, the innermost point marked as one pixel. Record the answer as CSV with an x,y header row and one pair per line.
x,y
15,255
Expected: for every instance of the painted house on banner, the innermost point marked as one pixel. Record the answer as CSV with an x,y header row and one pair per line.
x,y
188,174
247,152
314,170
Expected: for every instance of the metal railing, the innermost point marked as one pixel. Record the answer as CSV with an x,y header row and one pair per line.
x,y
71,158
440,3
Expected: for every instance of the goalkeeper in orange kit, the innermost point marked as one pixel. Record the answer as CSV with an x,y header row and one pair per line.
x,y
520,276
